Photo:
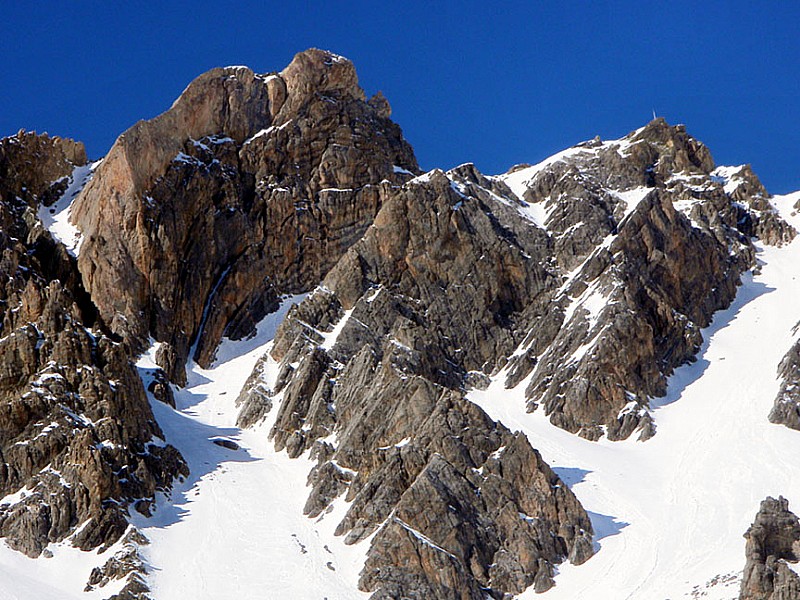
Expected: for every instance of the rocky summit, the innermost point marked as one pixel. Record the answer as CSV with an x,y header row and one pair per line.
x,y
256,320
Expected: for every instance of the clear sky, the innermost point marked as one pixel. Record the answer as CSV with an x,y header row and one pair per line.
x,y
494,83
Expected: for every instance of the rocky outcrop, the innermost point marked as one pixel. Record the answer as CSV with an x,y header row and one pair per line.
x,y
78,442
759,219
249,187
126,563
773,548
459,506
631,260
37,167
786,410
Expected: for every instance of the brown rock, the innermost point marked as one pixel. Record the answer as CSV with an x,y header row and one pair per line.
x,y
773,541
248,187
74,419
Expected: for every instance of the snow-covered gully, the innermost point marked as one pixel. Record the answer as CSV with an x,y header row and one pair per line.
x,y
235,528
670,513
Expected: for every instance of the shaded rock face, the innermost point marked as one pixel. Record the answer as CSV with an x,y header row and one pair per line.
x,y
76,430
249,187
773,542
786,410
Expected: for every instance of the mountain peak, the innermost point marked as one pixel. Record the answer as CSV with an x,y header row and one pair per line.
x,y
387,327
685,152
241,138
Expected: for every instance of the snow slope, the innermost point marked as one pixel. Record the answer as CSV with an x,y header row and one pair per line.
x,y
235,528
56,217
670,513
60,577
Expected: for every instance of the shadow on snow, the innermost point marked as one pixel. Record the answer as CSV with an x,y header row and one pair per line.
x,y
603,525
686,375
571,475
194,440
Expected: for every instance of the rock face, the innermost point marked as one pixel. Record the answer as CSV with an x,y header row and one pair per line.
x,y
249,187
584,281
649,240
37,166
462,507
78,441
459,505
773,543
127,564
786,410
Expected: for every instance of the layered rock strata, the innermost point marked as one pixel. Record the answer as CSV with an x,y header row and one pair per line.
x,y
586,279
248,187
460,506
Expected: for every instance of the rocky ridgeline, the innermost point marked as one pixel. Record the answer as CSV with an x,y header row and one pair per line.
x,y
649,240
248,187
773,550
459,505
78,442
586,279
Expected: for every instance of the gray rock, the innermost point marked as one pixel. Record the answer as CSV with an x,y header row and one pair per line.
x,y
786,410
773,542
225,443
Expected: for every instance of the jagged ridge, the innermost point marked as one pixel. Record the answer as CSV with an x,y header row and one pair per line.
x,y
78,442
586,279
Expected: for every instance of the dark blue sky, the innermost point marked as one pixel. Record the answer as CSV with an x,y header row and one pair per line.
x,y
492,83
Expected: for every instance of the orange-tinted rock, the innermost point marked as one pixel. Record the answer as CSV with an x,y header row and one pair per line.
x,y
249,187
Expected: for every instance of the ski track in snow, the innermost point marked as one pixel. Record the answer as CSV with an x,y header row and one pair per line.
x,y
670,513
